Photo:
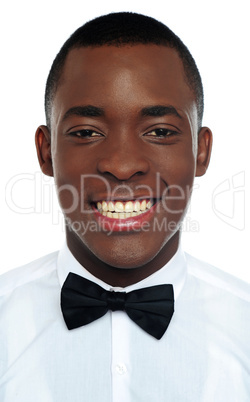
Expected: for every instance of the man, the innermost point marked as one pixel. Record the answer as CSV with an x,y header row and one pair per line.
x,y
124,141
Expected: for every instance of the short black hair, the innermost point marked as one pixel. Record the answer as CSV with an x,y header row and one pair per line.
x,y
120,29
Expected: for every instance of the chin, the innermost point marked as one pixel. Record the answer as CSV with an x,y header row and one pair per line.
x,y
127,262
128,257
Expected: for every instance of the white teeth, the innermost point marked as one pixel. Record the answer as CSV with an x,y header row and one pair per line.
x,y
104,206
119,207
123,210
149,204
137,206
111,206
129,207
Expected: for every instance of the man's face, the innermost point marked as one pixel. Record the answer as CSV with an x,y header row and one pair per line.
x,y
124,134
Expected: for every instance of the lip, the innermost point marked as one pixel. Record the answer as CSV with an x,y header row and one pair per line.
x,y
123,199
124,225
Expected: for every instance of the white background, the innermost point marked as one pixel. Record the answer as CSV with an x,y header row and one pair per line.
x,y
217,34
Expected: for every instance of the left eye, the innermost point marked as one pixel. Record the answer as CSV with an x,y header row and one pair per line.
x,y
161,133
85,134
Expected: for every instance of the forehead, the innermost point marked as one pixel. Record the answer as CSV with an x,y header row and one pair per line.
x,y
123,76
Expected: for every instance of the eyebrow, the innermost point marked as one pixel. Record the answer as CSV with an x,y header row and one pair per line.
x,y
94,111
84,111
159,110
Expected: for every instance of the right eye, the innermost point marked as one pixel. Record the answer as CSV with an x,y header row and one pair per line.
x,y
85,134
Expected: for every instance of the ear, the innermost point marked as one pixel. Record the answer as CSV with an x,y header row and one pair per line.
x,y
205,140
43,148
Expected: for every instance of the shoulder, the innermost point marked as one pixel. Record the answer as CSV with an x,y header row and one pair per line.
x,y
217,278
28,273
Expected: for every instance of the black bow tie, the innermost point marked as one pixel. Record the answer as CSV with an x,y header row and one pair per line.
x,y
83,301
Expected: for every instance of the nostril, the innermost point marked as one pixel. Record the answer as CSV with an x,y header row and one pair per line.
x,y
123,169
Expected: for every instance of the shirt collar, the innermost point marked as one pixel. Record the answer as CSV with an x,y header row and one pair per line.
x,y
174,272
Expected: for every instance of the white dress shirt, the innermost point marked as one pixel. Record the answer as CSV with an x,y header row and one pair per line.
x,y
204,356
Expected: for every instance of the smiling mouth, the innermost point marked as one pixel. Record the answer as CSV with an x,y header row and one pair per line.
x,y
123,209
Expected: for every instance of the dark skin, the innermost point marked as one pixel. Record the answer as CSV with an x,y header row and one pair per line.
x,y
128,142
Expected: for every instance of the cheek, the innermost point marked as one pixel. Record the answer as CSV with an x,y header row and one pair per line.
x,y
69,196
67,180
70,164
177,168
178,176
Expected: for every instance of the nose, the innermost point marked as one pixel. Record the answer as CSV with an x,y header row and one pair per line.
x,y
123,160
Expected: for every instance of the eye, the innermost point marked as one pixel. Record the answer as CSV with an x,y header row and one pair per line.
x,y
85,134
161,133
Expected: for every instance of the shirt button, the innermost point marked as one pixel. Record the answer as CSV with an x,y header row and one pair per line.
x,y
121,369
